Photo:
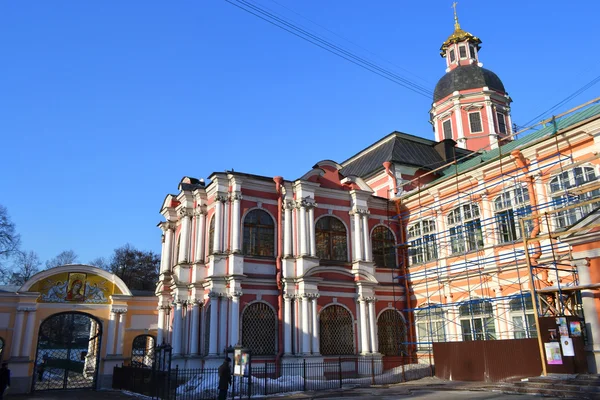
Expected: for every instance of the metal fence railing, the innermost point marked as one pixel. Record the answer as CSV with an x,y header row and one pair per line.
x,y
267,378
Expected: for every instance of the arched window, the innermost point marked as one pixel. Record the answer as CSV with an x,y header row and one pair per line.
x,y
211,236
430,322
142,351
510,207
523,318
336,334
331,239
422,245
384,247
391,333
568,188
465,229
259,234
259,329
477,320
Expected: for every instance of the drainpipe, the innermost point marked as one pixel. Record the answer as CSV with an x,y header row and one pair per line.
x,y
278,274
522,163
387,165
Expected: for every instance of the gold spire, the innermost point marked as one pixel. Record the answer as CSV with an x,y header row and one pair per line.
x,y
456,24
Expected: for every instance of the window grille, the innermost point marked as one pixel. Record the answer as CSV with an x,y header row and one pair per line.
x,y
422,243
501,123
477,320
475,122
211,236
511,206
430,323
560,186
447,126
259,329
207,329
336,334
523,319
465,229
384,247
391,333
142,351
331,239
259,234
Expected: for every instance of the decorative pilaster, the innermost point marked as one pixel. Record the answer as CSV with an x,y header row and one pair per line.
x,y
200,233
110,341
214,323
287,323
303,233
166,263
364,332
315,324
372,323
357,237
366,236
236,199
177,328
218,240
235,318
305,327
311,228
287,229
121,330
29,330
194,339
184,242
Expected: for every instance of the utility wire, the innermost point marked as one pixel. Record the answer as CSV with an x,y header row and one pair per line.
x,y
330,47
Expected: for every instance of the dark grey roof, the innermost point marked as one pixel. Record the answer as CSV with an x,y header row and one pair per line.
x,y
398,148
466,77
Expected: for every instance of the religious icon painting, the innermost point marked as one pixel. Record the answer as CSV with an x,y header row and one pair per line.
x,y
76,287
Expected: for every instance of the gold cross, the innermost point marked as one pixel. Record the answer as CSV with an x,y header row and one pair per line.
x,y
456,24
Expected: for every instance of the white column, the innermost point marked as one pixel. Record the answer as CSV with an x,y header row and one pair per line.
x,y
235,318
315,326
224,302
287,231
305,328
357,237
166,265
226,231
235,223
110,341
303,250
121,332
217,242
459,126
200,229
184,242
311,230
490,118
160,332
372,326
214,323
185,331
364,333
366,237
29,330
194,338
287,324
177,328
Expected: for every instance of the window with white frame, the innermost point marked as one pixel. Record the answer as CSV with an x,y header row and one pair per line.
x,y
421,241
563,193
472,51
501,122
462,51
477,320
383,246
452,56
464,226
447,126
510,207
523,318
430,322
475,122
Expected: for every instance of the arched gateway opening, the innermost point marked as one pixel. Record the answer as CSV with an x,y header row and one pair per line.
x,y
68,352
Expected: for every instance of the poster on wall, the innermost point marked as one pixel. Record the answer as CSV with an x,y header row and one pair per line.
x,y
567,347
553,355
240,363
563,330
575,328
562,321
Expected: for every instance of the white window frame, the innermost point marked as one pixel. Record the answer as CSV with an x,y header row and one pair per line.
x,y
430,322
463,47
558,189
499,115
422,241
449,120
510,207
480,122
480,320
464,229
523,317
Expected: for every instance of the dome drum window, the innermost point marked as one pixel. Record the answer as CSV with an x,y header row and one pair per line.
x,y
501,123
475,122
447,127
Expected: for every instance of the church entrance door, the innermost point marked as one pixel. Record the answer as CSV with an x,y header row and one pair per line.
x,y
68,351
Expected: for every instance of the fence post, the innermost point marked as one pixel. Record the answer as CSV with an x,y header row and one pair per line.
x,y
266,391
340,370
372,371
403,373
304,373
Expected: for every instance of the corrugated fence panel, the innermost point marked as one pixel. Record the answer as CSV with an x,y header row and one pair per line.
x,y
488,361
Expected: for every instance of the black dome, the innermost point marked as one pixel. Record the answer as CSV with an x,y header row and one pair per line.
x,y
466,77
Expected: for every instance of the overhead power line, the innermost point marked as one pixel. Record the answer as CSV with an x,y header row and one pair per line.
x,y
292,28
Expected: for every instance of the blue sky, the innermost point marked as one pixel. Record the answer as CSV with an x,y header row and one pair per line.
x,y
105,105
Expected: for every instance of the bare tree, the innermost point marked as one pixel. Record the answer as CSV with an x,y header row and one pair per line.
x,y
100,262
137,268
27,264
64,258
9,239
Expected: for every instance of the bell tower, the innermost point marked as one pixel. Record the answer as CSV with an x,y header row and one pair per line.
x,y
470,104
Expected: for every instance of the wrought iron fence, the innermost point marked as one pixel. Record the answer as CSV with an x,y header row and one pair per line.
x,y
267,378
